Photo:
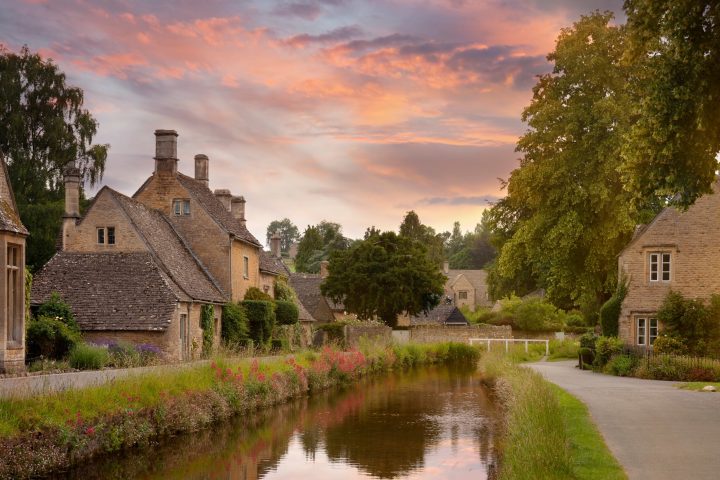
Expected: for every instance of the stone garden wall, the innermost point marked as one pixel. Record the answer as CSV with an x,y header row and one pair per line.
x,y
440,333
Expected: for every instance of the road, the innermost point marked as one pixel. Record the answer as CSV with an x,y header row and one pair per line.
x,y
655,430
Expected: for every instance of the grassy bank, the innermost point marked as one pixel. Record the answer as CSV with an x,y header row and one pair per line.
x,y
698,386
548,433
40,434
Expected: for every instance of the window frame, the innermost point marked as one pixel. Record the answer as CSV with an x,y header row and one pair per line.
x,y
462,295
648,331
181,207
659,267
14,301
246,267
100,235
110,235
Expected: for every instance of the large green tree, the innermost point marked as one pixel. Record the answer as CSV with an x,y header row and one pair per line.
x,y
470,250
384,275
672,143
567,213
411,227
317,243
43,129
289,233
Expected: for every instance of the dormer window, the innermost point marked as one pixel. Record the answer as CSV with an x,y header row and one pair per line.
x,y
660,263
106,235
181,207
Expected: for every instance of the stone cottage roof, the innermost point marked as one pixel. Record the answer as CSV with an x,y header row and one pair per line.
x,y
110,291
307,286
440,315
9,216
216,210
171,250
477,278
272,265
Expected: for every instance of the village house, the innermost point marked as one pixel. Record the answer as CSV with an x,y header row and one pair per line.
x,y
12,283
321,308
467,288
677,251
141,269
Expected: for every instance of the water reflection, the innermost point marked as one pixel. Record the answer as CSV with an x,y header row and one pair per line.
x,y
435,423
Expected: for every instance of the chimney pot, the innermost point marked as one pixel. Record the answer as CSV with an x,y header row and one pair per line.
x,y
72,202
275,244
166,151
238,209
202,173
224,195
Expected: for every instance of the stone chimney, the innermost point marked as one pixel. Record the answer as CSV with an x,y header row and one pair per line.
x,y
72,202
224,196
275,244
202,169
446,267
166,152
238,209
324,272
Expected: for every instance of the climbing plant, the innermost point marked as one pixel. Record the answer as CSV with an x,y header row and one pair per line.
x,y
208,328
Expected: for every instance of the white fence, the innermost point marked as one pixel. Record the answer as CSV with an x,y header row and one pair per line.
x,y
507,342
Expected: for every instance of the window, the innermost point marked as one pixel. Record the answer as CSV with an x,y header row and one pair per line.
x,y
646,330
181,207
106,235
659,267
101,235
13,292
111,235
246,267
462,295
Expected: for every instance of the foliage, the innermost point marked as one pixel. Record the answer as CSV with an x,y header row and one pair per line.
x,y
575,319
207,323
533,314
562,349
84,356
610,311
261,318
289,233
671,147
471,250
124,354
412,228
384,275
669,344
254,293
567,214
286,313
605,348
317,244
49,337
335,331
588,340
43,129
55,307
235,325
620,365
479,315
693,322
283,290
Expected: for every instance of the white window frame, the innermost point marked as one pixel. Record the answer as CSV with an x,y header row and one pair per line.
x,y
181,207
660,267
246,267
646,330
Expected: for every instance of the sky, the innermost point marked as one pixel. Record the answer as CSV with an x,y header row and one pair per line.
x,y
351,111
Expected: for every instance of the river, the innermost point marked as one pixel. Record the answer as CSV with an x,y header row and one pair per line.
x,y
428,423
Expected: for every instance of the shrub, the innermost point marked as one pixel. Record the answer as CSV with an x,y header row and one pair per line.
x,y
575,319
621,365
283,291
50,337
669,344
55,307
286,313
480,315
588,340
84,356
563,349
254,293
586,356
235,326
605,348
610,311
534,314
693,322
207,323
261,318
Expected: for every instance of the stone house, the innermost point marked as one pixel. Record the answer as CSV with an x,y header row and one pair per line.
x,y
677,251
12,282
321,308
141,268
443,314
467,288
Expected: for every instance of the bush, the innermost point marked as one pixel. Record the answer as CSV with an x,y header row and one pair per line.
x,y
207,323
84,356
283,291
621,365
586,356
254,293
588,340
575,319
480,315
286,313
55,307
697,325
533,315
50,337
669,344
610,311
261,318
235,325
605,348
563,349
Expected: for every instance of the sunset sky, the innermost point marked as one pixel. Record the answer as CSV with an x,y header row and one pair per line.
x,y
354,111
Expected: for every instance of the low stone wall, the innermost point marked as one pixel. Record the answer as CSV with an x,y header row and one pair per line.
x,y
440,333
378,333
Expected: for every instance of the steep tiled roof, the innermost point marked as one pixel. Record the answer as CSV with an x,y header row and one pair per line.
x,y
303,314
272,265
477,278
9,217
171,250
216,210
110,291
440,315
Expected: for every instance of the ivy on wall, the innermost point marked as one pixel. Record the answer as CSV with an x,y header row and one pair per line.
x,y
207,323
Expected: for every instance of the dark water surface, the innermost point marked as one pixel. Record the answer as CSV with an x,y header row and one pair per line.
x,y
428,423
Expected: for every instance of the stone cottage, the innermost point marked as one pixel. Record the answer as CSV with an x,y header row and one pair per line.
x,y
142,268
467,288
321,308
12,283
677,251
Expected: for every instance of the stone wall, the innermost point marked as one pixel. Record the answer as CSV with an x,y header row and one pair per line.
x,y
379,333
434,334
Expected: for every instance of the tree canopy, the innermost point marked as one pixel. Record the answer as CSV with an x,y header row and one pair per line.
x,y
470,250
317,243
289,233
412,228
43,129
384,275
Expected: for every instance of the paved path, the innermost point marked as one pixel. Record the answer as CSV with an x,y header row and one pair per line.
x,y
655,430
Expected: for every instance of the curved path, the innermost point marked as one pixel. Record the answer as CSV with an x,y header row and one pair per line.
x,y
655,430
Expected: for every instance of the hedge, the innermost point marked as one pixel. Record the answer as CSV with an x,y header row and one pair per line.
x,y
235,325
261,317
286,313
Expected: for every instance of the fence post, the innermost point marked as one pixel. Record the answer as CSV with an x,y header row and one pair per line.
x,y
547,348
526,346
506,346
488,344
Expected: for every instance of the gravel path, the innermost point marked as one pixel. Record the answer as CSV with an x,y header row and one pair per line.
x,y
655,430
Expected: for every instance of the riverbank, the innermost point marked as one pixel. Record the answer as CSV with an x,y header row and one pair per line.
x,y
44,433
548,432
